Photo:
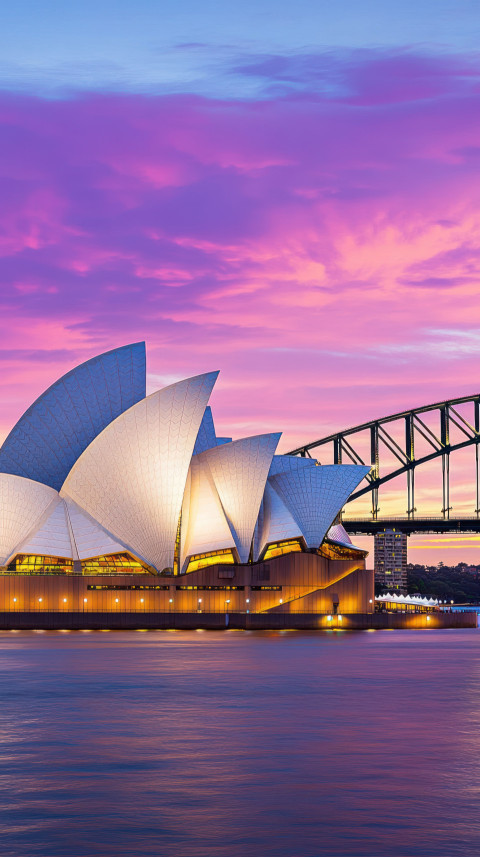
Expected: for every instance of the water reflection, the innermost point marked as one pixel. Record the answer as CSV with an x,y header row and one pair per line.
x,y
229,744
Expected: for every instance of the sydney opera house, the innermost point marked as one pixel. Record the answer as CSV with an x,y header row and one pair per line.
x,y
121,509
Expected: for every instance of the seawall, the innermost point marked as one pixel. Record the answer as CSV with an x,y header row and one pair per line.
x,y
55,621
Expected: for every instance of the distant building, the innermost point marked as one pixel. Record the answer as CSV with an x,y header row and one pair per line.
x,y
390,558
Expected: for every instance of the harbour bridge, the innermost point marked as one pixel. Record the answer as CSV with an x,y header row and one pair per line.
x,y
400,445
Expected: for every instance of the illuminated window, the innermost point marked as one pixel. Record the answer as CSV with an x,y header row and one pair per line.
x,y
203,560
116,587
33,564
334,551
119,563
280,548
210,588
176,553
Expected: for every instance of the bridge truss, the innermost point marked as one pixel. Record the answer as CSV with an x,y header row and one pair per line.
x,y
431,426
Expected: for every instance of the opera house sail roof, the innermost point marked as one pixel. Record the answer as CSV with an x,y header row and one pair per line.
x,y
97,469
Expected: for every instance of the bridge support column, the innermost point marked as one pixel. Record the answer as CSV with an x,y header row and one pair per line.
x,y
375,461
446,485
477,481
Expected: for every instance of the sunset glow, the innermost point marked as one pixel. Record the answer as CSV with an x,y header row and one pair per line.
x,y
312,230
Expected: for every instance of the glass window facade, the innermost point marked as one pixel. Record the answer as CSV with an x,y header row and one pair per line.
x,y
280,548
120,563
202,560
332,551
211,588
32,564
125,588
113,564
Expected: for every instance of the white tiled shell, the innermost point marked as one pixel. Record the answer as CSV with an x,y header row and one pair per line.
x,y
315,495
206,437
204,525
52,536
275,522
338,534
59,425
88,538
23,503
239,470
131,478
288,463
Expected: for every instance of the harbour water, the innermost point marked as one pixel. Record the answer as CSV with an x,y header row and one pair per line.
x,y
225,744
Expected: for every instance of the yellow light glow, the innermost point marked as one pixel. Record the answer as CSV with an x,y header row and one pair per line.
x,y
33,564
197,561
116,600
14,599
40,599
84,600
141,600
281,548
120,563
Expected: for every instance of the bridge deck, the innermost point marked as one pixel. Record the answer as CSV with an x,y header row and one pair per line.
x,y
369,527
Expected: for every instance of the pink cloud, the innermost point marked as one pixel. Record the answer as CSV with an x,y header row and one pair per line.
x,y
320,246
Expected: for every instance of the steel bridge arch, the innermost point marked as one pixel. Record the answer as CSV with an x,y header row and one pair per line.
x,y
446,414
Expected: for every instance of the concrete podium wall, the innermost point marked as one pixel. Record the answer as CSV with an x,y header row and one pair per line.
x,y
303,583
51,621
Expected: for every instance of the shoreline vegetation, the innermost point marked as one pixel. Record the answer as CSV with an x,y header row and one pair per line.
x,y
459,583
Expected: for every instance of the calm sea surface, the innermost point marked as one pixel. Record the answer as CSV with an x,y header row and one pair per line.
x,y
204,744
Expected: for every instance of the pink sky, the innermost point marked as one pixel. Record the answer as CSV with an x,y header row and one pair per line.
x,y
321,247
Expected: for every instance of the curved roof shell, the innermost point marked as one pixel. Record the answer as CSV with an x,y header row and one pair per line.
x,y
132,477
315,495
65,530
23,504
239,471
204,525
63,421
275,522
52,535
87,537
